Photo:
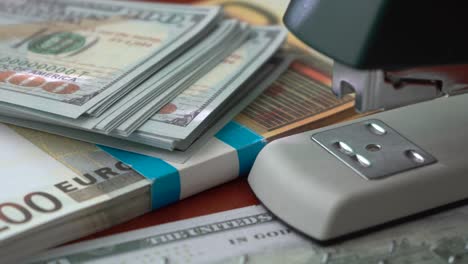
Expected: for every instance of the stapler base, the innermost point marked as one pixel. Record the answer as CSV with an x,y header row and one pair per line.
x,y
321,186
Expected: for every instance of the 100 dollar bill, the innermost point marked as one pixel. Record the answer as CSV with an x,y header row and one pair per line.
x,y
198,240
66,57
188,111
254,235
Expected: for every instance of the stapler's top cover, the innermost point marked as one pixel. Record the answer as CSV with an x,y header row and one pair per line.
x,y
383,34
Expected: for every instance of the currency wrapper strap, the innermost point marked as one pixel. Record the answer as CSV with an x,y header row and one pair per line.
x,y
239,146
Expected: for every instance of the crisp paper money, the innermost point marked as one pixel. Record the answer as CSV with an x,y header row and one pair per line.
x,y
189,110
47,178
255,85
156,88
79,180
198,240
89,52
254,235
164,81
216,55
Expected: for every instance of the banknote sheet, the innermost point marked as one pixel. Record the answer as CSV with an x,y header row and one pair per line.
x,y
198,240
206,49
90,50
254,235
55,193
222,51
164,84
207,95
192,108
49,179
256,85
179,118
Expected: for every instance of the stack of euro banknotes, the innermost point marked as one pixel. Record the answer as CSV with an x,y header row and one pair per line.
x,y
115,73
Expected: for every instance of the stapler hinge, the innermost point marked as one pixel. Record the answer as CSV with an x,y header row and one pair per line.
x,y
378,89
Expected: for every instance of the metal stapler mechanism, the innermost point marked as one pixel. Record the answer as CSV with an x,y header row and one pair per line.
x,y
406,58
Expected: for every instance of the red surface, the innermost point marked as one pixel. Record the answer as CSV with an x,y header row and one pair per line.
x,y
232,195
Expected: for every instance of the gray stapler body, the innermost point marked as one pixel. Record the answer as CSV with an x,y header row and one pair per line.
x,y
308,187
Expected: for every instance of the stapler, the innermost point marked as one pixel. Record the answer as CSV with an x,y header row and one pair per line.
x,y
407,58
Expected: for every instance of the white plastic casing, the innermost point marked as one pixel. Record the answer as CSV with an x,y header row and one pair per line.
x,y
308,188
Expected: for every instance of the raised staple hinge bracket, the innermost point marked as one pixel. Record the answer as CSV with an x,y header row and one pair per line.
x,y
373,149
378,89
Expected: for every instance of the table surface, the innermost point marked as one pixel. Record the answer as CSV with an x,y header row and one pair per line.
x,y
231,195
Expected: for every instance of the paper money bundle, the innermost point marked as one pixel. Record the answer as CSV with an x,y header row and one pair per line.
x,y
56,189
155,74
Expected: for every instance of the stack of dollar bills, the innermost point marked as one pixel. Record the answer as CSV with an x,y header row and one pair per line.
x,y
153,75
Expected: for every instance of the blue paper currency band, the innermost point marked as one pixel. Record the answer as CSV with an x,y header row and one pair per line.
x,y
165,179
246,142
